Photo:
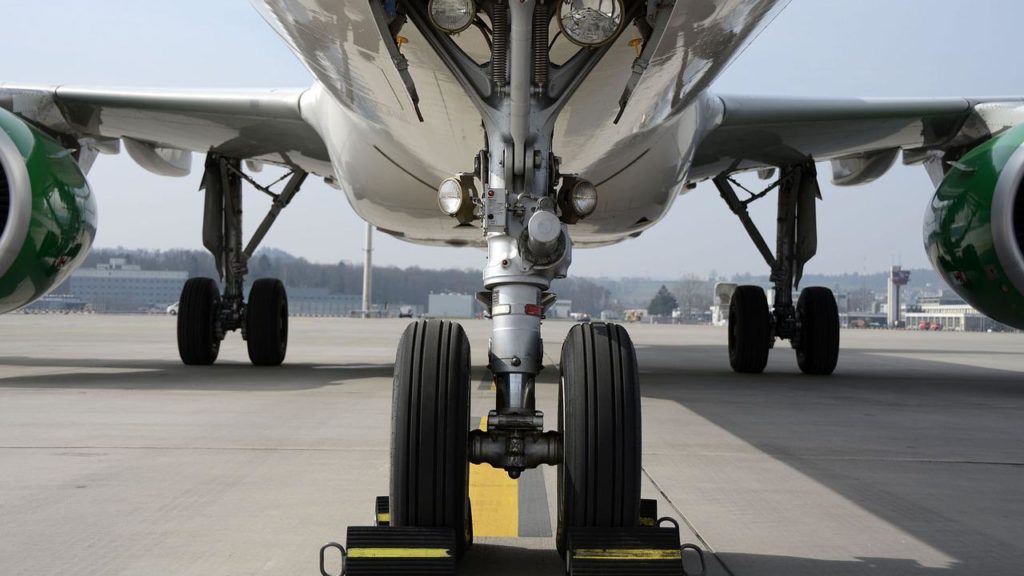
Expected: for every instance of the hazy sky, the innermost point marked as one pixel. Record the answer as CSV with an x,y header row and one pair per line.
x,y
815,48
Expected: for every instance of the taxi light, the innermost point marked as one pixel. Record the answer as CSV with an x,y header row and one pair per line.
x,y
577,199
590,23
452,16
455,197
584,198
450,196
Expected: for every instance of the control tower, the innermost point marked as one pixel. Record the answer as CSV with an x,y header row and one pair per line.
x,y
898,278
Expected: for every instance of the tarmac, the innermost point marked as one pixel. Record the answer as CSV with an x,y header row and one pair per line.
x,y
116,459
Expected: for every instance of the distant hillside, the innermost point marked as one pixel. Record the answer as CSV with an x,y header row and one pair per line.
x,y
696,292
920,278
396,286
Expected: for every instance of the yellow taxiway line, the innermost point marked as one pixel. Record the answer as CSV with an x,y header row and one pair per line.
x,y
495,499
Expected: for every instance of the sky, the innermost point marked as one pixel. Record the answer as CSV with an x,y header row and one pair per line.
x,y
836,48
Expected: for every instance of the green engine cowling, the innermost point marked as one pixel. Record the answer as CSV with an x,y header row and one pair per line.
x,y
47,213
974,228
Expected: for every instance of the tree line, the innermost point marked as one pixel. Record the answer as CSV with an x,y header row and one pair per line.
x,y
392,285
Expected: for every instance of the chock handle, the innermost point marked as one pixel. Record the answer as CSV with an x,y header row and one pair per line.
x,y
323,558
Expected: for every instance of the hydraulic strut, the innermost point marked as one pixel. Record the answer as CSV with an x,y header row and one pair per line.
x,y
528,246
795,240
222,229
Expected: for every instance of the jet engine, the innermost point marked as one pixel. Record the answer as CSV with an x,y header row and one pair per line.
x,y
47,213
974,227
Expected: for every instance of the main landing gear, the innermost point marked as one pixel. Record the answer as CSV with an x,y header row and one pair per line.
x,y
812,326
206,315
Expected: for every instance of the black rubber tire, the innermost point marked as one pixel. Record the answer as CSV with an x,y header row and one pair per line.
x,y
198,344
430,429
749,330
599,418
266,322
818,315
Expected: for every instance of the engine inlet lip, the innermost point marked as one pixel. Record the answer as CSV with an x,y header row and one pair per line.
x,y
19,216
1004,236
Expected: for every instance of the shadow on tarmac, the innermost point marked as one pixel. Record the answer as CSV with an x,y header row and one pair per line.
x,y
172,375
764,565
500,560
932,448
497,560
939,448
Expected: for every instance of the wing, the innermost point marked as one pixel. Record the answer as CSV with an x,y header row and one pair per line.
x,y
862,137
160,128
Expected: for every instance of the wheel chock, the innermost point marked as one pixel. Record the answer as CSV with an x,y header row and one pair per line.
x,y
652,548
640,551
377,550
383,513
649,513
406,550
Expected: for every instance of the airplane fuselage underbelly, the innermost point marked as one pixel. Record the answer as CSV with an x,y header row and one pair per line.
x,y
395,187
389,164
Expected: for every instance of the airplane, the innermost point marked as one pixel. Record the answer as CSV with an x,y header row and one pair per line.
x,y
528,128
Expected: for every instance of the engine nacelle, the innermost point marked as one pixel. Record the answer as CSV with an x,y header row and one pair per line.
x,y
974,228
47,213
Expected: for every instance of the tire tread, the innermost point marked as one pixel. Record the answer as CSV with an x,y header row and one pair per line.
x,y
266,338
198,344
749,326
599,415
819,340
430,427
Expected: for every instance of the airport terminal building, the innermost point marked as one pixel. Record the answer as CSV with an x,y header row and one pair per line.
x,y
451,306
322,302
121,287
950,313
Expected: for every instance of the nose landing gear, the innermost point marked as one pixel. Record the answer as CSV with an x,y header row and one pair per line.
x,y
524,218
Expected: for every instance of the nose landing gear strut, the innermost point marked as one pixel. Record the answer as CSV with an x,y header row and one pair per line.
x,y
524,217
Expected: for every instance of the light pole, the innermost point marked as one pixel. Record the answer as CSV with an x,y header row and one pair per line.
x,y
368,271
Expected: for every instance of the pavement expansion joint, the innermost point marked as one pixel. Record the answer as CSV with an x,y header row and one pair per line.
x,y
704,544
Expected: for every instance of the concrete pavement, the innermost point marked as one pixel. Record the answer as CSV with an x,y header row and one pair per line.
x,y
115,459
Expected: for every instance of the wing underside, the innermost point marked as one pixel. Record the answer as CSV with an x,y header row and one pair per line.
x,y
862,138
159,127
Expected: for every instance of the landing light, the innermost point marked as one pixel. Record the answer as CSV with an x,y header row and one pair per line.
x,y
455,198
452,16
450,196
577,199
584,198
590,23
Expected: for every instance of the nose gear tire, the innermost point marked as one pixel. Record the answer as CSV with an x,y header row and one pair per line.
x,y
599,418
430,429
